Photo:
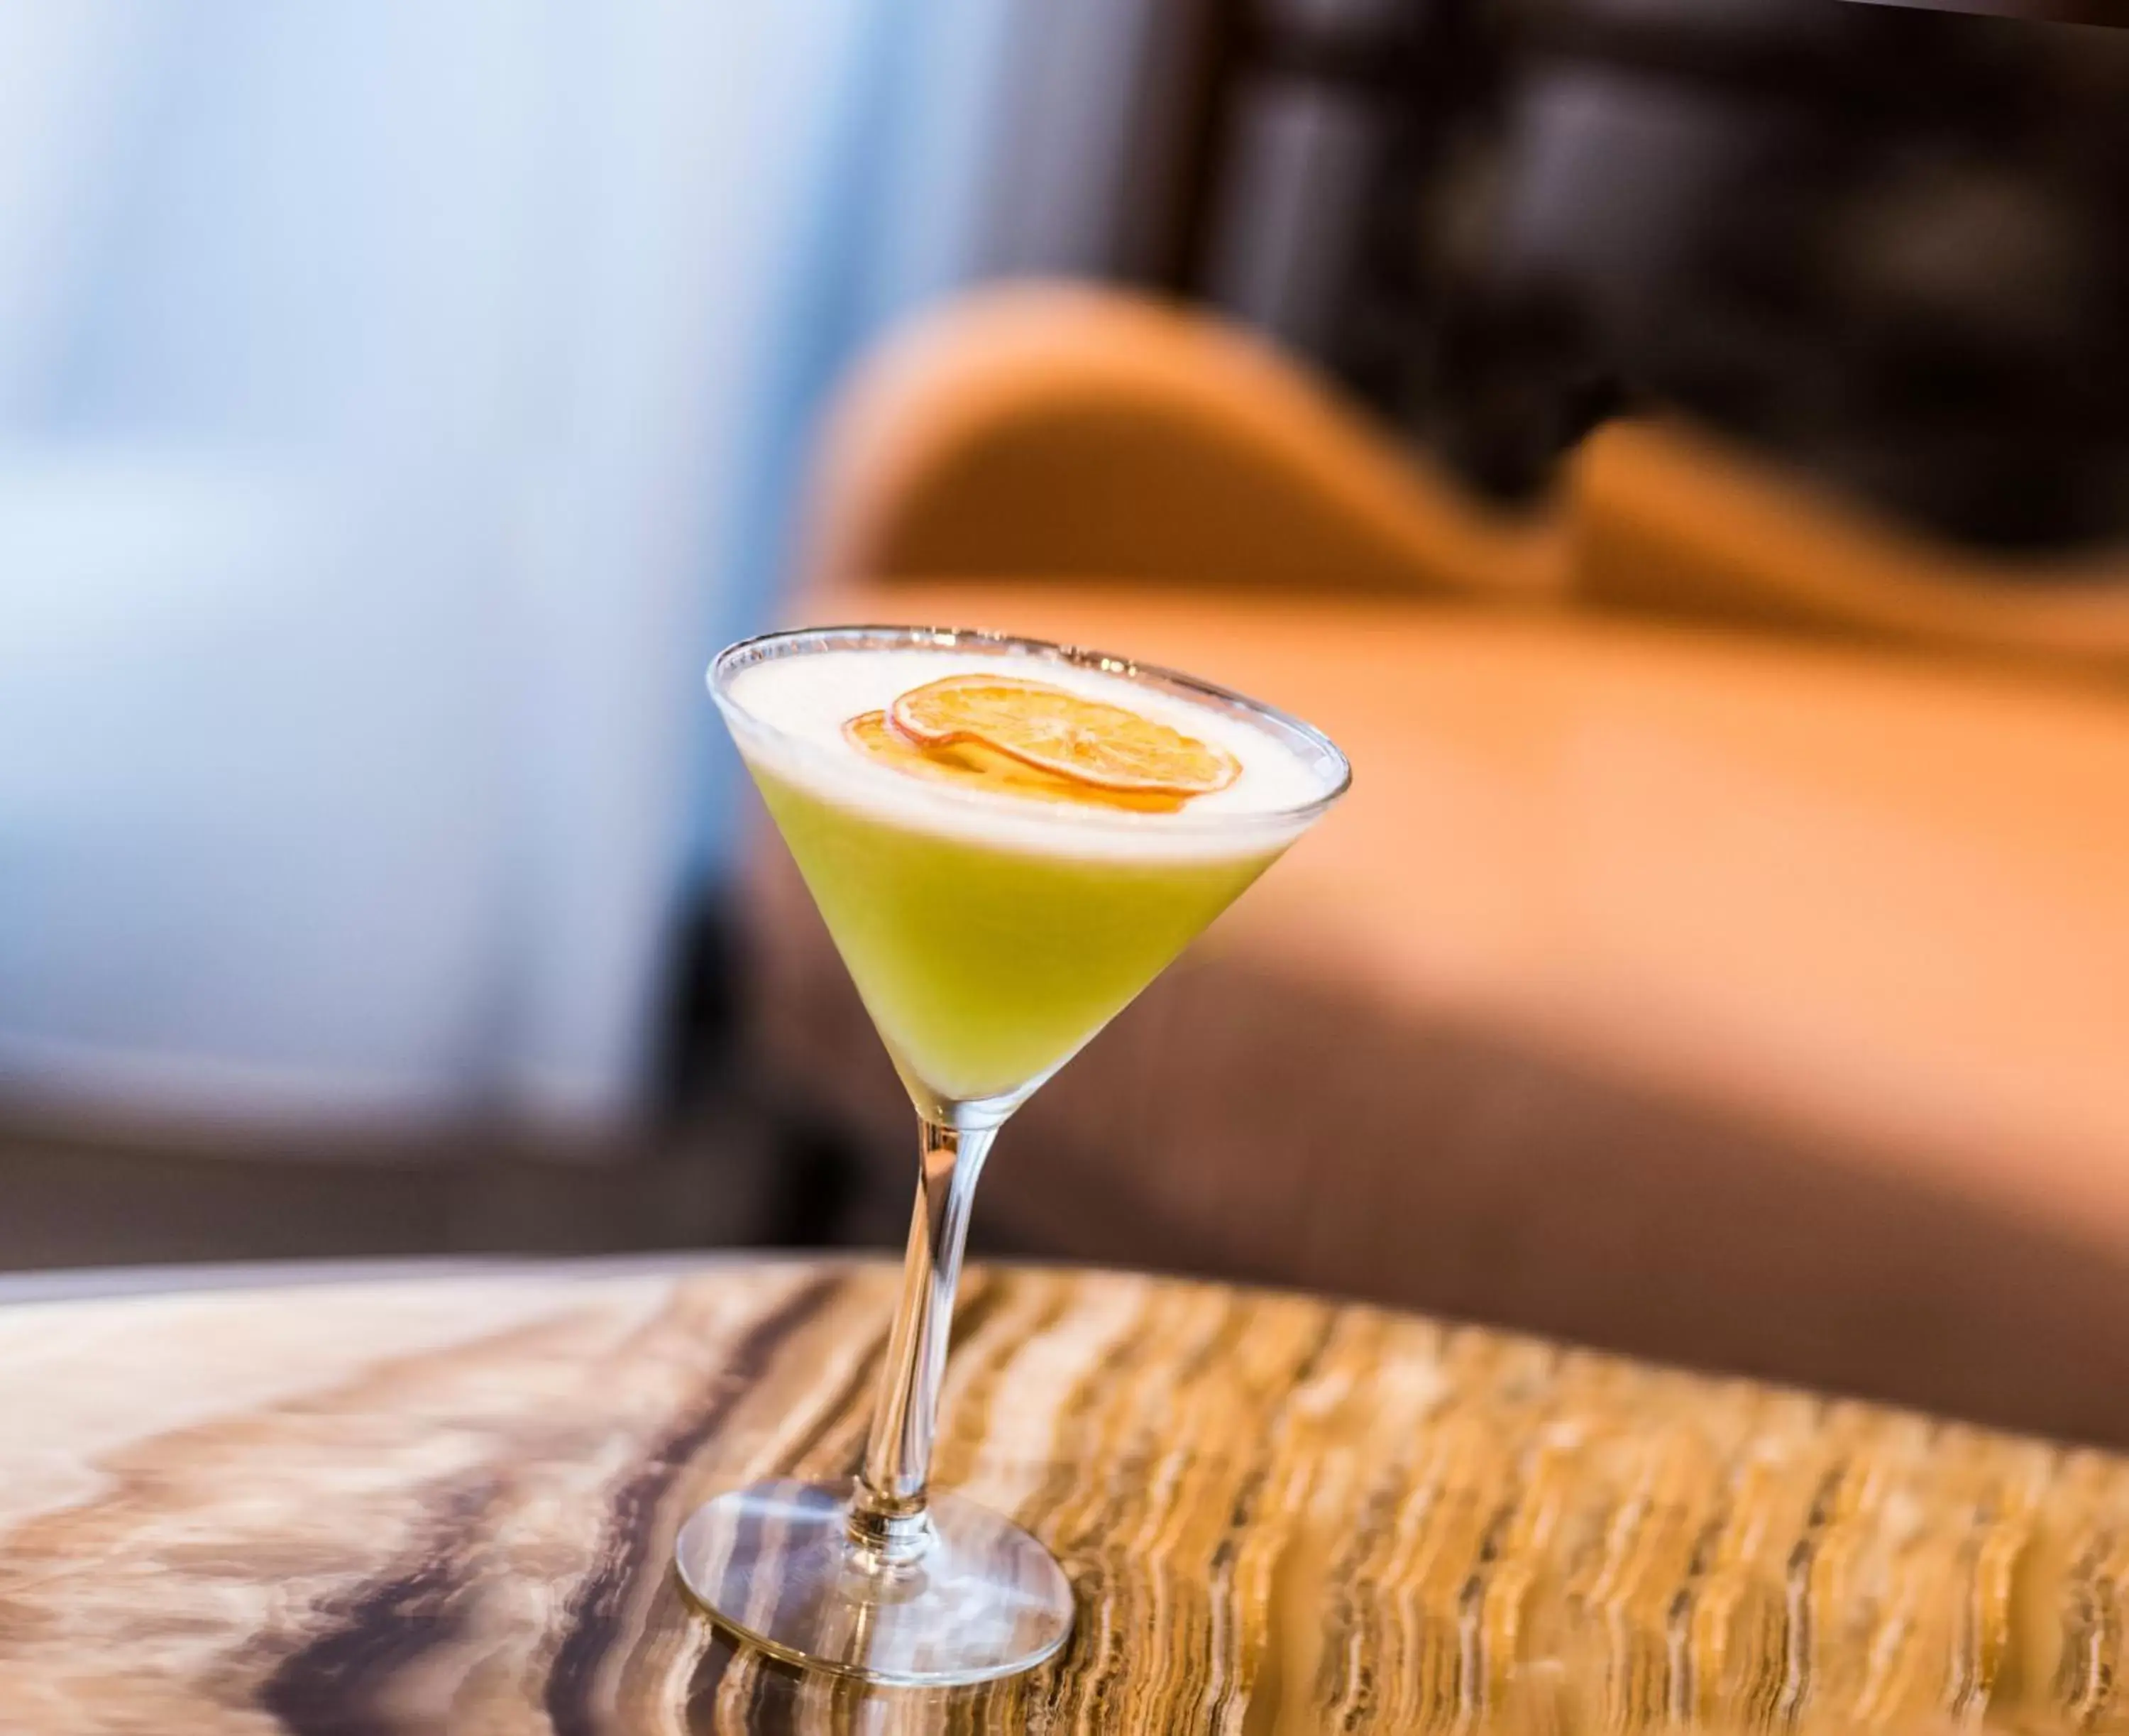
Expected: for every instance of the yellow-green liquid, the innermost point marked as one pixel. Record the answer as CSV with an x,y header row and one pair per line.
x,y
984,968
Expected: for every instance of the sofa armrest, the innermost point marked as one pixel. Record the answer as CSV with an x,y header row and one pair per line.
x,y
1671,520
1047,431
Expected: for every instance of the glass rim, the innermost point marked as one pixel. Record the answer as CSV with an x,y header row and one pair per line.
x,y
785,641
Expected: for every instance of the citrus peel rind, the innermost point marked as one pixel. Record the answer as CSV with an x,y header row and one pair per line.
x,y
1063,735
970,765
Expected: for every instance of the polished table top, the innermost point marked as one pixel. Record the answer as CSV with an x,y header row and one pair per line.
x,y
445,1501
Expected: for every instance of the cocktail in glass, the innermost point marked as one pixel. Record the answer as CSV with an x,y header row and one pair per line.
x,y
1008,840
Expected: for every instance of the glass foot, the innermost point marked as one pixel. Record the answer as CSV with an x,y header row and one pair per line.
x,y
774,1563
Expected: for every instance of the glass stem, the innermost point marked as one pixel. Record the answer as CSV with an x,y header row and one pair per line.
x,y
888,1519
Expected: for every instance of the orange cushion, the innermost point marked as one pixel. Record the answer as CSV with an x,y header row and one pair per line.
x,y
1828,902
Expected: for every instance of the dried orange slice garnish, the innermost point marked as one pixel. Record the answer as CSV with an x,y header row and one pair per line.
x,y
972,767
1064,734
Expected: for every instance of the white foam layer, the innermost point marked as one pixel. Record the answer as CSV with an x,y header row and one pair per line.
x,y
788,714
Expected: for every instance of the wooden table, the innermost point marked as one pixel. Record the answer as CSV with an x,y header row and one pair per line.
x,y
445,1503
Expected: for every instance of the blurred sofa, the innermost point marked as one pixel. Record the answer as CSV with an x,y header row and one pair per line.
x,y
1724,954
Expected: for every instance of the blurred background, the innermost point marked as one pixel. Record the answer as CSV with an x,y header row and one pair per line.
x,y
1680,448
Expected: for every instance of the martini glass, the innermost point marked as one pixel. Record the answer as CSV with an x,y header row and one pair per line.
x,y
989,937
